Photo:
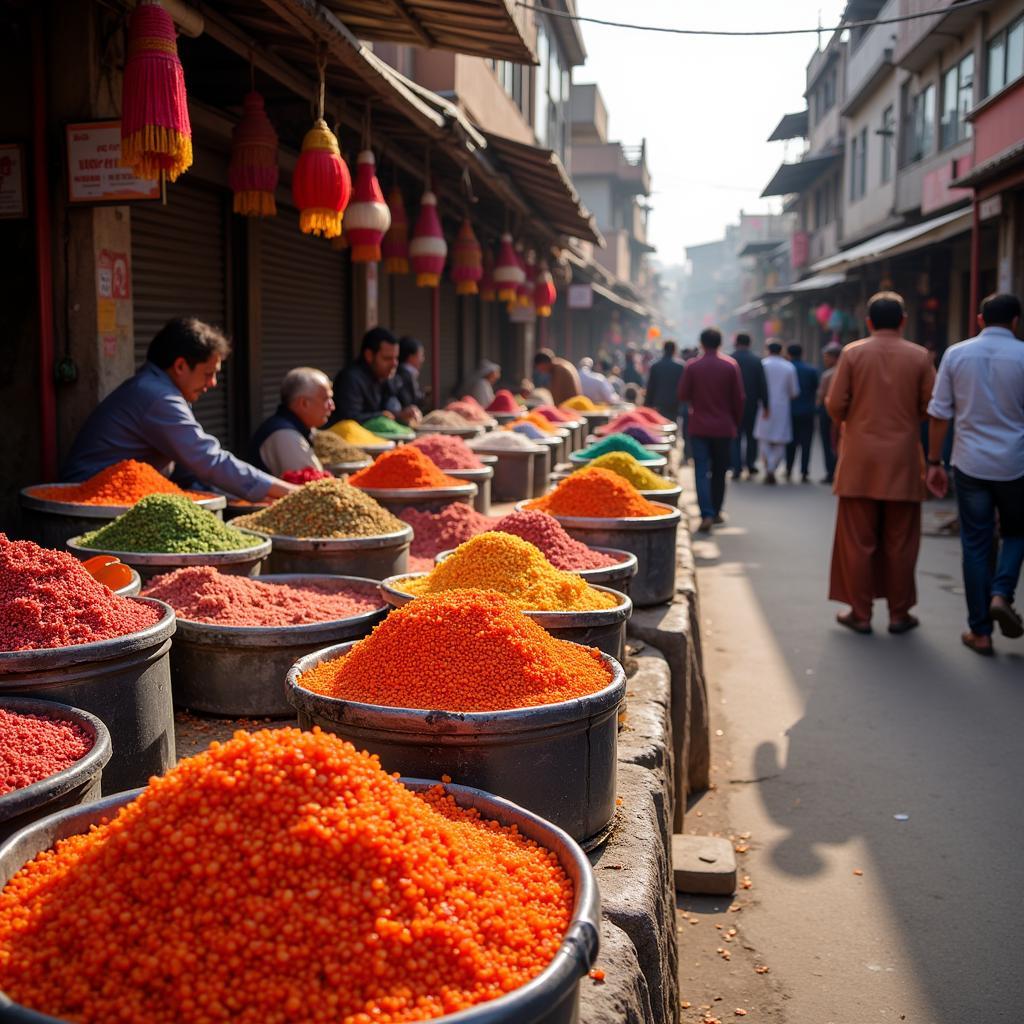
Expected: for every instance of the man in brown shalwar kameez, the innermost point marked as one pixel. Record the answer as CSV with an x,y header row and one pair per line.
x,y
878,397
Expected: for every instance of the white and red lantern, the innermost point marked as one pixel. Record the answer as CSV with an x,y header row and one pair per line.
x,y
368,217
428,249
467,261
508,274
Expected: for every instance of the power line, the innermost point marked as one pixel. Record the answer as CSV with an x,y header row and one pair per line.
x,y
963,5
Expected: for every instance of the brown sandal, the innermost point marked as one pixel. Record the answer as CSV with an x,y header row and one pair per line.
x,y
971,640
857,625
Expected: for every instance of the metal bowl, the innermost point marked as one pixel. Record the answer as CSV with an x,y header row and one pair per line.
x,y
467,433
656,462
374,557
426,499
347,468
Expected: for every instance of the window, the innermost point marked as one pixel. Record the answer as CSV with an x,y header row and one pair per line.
x,y
1005,57
859,165
551,83
957,99
888,136
920,126
854,144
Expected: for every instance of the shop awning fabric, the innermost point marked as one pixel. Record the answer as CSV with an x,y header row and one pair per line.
x,y
539,175
790,178
893,243
817,283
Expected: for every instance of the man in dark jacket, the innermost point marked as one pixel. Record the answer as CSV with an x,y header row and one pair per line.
x,y
802,411
367,387
407,377
663,383
755,390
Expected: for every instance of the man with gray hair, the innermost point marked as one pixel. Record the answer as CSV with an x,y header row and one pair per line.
x,y
284,441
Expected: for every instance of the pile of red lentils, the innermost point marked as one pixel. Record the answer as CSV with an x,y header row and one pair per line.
x,y
281,876
34,747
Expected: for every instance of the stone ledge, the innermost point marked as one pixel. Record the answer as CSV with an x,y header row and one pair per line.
x,y
622,997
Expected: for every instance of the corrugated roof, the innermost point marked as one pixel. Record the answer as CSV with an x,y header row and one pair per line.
x,y
792,126
796,177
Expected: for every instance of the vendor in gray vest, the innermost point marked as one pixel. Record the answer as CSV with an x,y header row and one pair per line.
x,y
149,418
284,441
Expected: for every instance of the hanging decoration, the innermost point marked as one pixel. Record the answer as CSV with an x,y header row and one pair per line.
x,y
156,136
368,216
544,293
396,241
488,290
428,249
467,261
253,171
508,274
822,313
321,184
524,293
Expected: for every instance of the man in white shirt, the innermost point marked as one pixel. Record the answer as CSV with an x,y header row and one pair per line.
x,y
980,385
595,385
774,427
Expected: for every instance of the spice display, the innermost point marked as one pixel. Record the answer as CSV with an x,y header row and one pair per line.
x,y
527,430
332,450
34,747
447,418
202,594
470,409
304,475
167,523
596,493
580,403
505,441
618,443
642,435
469,650
623,464
434,532
554,414
354,433
651,415
515,568
545,533
324,508
542,424
388,428
504,401
120,484
281,876
48,599
636,418
405,467
447,452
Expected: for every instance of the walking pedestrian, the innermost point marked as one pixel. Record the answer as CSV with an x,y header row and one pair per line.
x,y
663,383
826,428
879,395
713,388
801,412
684,409
774,427
755,391
981,383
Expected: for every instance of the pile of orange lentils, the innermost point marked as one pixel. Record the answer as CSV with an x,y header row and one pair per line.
x,y
123,483
596,493
281,876
405,467
465,650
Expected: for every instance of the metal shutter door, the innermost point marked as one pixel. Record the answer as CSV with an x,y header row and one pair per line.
x,y
179,268
303,295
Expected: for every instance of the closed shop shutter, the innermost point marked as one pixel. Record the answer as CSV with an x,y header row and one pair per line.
x,y
450,365
304,300
179,268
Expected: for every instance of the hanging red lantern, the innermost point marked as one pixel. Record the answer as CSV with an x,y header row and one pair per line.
x,y
368,216
156,136
428,249
467,261
321,185
544,293
396,241
488,290
508,275
253,171
524,293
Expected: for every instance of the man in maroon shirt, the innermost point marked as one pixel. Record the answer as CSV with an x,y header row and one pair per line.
x,y
713,387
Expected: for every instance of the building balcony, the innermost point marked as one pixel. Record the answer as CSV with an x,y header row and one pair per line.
x,y
921,40
870,59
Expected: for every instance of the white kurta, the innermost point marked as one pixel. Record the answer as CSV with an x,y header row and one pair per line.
x,y
783,386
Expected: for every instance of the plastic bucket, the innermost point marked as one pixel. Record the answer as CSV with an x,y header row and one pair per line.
x,y
125,682
557,760
373,558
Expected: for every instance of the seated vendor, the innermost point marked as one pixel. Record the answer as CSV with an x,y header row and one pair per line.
x,y
149,418
284,441
367,388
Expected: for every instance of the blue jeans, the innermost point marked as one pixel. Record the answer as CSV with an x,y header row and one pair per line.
x,y
989,567
711,458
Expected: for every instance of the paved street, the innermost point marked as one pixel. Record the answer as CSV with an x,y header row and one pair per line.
x,y
826,738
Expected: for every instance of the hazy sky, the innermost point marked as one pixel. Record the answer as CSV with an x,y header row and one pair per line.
x,y
704,104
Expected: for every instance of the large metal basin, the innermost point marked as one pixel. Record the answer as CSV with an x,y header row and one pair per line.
x,y
425,499
550,998
374,558
347,468
466,433
52,523
239,671
125,682
513,471
243,562
657,463
651,538
604,629
557,760
663,495
77,784
483,479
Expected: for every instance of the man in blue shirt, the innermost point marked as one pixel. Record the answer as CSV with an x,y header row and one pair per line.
x,y
801,410
981,384
149,418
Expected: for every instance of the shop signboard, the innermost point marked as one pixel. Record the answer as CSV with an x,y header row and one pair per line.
x,y
95,174
12,181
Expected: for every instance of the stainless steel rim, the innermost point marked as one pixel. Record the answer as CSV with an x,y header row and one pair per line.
x,y
282,542
257,551
67,508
